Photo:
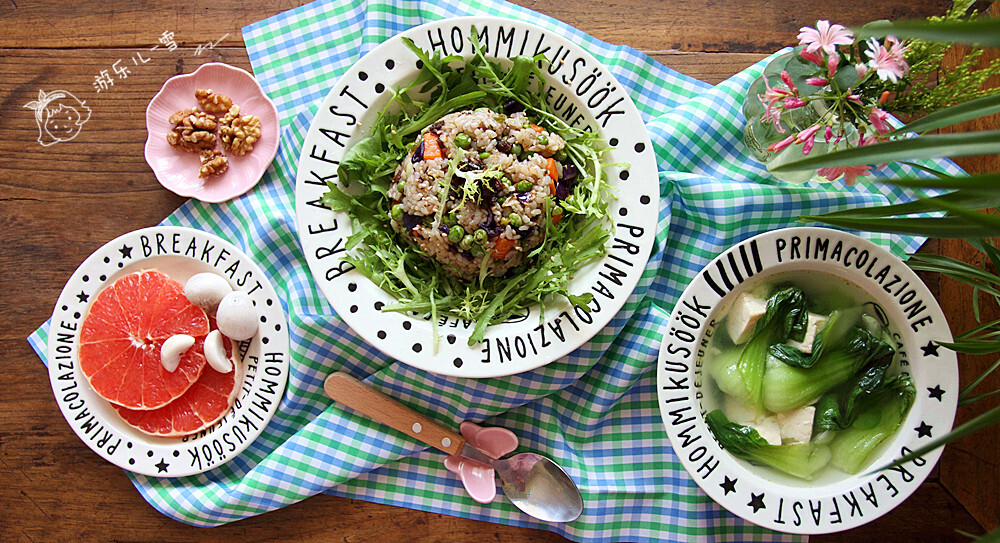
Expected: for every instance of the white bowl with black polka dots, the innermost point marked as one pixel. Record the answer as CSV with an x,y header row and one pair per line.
x,y
585,94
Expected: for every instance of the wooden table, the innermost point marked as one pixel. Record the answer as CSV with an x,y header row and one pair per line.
x,y
61,202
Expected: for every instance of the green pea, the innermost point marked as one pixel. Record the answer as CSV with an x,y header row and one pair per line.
x,y
400,186
396,212
516,149
484,155
478,251
466,242
543,140
556,211
450,219
479,236
524,186
515,220
463,140
455,234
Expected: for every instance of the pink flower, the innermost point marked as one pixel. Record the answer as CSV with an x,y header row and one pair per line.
x,y
817,81
831,65
811,57
807,137
770,100
778,146
788,81
850,173
828,134
855,98
887,63
862,70
825,36
773,113
878,118
773,94
794,102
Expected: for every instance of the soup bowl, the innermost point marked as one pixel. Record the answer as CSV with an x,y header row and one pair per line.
x,y
824,263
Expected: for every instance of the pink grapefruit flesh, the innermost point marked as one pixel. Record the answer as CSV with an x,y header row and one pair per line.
x,y
204,404
121,337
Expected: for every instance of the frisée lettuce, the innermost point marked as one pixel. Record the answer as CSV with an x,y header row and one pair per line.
x,y
420,284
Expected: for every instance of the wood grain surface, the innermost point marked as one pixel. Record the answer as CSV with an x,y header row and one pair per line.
x,y
60,203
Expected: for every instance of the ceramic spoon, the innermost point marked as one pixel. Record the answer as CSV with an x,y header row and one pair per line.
x,y
533,483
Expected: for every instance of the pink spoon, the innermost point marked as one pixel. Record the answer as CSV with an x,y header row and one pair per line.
x,y
533,483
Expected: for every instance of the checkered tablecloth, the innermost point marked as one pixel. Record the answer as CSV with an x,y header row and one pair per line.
x,y
595,411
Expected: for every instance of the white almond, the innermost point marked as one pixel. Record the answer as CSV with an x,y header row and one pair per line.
x,y
172,349
236,316
215,353
206,290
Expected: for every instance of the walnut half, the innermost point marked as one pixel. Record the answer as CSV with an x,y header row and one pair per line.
x,y
239,132
193,130
212,102
212,163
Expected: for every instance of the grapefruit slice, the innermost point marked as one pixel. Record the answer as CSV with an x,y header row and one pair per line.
x,y
204,404
121,337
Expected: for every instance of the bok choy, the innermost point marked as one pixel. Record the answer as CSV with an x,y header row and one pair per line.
x,y
802,460
878,416
804,379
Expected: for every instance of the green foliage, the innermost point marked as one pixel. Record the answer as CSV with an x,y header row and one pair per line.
x,y
931,87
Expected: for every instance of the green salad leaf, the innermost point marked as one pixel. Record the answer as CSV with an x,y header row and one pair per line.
x,y
420,284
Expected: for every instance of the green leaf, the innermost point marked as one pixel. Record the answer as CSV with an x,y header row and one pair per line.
x,y
966,111
985,420
982,31
928,146
966,199
971,386
800,69
846,77
942,227
987,182
988,249
973,398
921,167
957,270
987,220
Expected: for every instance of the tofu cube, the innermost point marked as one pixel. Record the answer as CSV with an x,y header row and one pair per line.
x,y
796,426
739,412
769,429
746,415
743,316
814,324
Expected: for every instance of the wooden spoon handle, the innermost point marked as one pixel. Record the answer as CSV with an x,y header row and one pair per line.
x,y
365,400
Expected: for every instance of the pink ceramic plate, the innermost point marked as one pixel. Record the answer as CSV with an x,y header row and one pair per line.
x,y
177,170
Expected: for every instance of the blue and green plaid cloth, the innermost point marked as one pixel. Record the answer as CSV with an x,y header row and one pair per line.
x,y
594,411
